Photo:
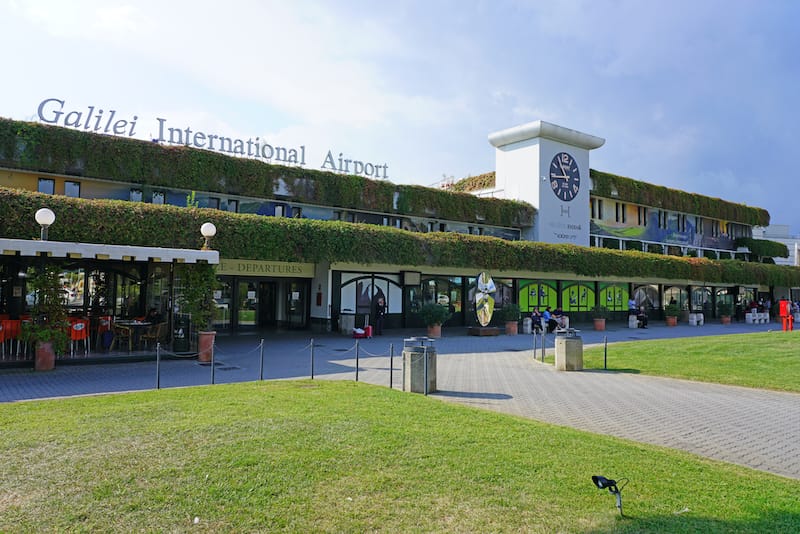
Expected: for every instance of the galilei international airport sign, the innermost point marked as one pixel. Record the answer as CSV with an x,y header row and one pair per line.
x,y
92,119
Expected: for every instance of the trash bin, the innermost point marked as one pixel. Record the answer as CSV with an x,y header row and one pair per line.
x,y
527,325
569,352
419,352
347,321
181,332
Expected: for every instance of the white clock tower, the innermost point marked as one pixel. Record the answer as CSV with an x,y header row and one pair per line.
x,y
547,166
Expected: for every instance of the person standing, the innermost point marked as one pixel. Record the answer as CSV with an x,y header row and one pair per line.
x,y
380,314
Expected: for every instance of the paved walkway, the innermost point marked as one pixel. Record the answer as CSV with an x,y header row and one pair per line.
x,y
754,428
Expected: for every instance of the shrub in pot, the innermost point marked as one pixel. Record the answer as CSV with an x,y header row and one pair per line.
x,y
434,316
511,314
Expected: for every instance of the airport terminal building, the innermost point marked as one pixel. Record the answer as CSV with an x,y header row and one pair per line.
x,y
288,237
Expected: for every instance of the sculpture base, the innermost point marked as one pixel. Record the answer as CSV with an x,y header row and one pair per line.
x,y
483,331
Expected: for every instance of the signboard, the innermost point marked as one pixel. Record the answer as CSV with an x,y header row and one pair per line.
x,y
280,269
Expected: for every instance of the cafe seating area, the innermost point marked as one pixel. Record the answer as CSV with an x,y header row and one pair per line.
x,y
89,337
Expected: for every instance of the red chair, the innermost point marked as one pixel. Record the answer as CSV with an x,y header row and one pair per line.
x,y
103,326
12,331
79,331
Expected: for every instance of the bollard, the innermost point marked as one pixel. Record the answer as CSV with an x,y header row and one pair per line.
x,y
213,367
312,358
356,360
261,361
158,365
391,364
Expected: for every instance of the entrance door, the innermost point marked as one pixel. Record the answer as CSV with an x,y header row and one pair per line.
x,y
297,304
267,304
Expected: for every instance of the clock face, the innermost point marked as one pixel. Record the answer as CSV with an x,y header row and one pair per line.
x,y
565,178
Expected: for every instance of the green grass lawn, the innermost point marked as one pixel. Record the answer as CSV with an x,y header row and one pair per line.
x,y
319,456
769,360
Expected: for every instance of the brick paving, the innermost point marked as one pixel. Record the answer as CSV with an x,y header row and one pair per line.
x,y
755,428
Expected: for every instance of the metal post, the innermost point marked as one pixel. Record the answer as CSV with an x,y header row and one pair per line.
x,y
158,365
261,361
605,352
425,355
213,367
356,360
534,345
543,339
312,358
403,381
391,363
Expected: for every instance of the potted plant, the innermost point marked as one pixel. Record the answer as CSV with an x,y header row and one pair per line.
x,y
725,310
434,315
511,314
599,315
671,312
48,329
198,282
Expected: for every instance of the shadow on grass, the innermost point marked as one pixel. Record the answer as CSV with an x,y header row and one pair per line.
x,y
474,395
778,521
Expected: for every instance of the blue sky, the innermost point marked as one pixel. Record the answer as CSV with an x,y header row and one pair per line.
x,y
700,96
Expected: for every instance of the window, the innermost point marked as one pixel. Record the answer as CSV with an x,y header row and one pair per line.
x,y
297,213
431,226
47,186
135,195
642,213
442,227
278,211
715,229
72,189
597,208
386,221
397,223
698,225
157,197
620,212
233,206
213,203
682,223
663,218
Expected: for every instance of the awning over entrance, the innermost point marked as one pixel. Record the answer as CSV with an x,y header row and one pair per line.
x,y
61,249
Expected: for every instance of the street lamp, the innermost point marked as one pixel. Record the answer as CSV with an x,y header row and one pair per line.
x,y
45,217
208,230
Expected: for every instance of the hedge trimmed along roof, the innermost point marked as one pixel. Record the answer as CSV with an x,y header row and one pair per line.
x,y
44,148
301,240
629,190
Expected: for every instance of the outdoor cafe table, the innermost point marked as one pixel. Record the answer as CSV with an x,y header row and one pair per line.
x,y
135,328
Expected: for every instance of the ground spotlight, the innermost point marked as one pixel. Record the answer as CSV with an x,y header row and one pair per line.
x,y
611,485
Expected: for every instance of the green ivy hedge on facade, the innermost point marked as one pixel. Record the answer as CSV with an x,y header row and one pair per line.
x,y
763,248
301,240
44,148
629,190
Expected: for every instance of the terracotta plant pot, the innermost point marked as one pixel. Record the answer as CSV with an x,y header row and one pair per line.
x,y
672,320
435,330
599,324
512,328
205,346
45,357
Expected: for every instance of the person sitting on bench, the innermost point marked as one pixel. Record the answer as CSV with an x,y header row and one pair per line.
x,y
551,323
642,318
536,319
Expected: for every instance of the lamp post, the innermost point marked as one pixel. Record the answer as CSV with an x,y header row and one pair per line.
x,y
208,230
45,217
